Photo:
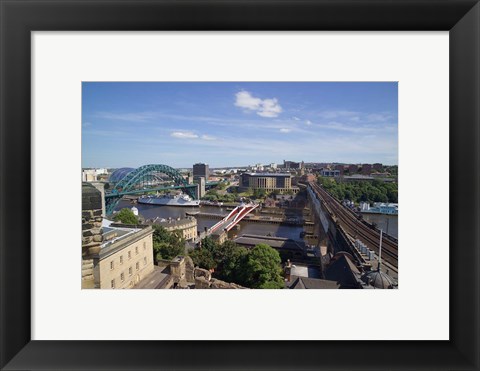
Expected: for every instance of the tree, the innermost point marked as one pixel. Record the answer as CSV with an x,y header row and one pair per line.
x,y
259,193
231,260
262,268
126,216
203,258
167,245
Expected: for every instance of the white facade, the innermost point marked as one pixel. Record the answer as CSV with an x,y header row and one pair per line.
x,y
90,175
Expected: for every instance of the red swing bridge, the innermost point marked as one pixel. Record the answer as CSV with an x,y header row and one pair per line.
x,y
233,218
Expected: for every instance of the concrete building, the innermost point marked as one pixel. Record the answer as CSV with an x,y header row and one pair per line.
x,y
292,165
91,175
201,170
330,173
267,181
189,178
187,225
125,257
200,189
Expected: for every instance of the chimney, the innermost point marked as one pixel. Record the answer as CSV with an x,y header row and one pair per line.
x,y
288,270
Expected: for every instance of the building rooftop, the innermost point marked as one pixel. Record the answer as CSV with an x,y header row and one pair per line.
x,y
312,283
275,242
269,174
358,176
115,234
172,222
117,237
379,280
304,271
119,174
342,270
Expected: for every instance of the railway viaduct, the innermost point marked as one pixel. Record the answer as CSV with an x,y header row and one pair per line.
x,y
339,227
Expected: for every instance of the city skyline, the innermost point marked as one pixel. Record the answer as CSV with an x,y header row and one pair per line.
x,y
238,123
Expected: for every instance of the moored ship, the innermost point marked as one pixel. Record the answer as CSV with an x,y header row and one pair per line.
x,y
169,200
379,208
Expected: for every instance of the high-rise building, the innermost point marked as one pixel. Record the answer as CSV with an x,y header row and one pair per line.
x,y
201,170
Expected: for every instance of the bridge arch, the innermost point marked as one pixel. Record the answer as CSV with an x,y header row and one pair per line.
x,y
132,179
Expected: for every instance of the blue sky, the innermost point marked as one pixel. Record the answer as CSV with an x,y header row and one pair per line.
x,y
238,123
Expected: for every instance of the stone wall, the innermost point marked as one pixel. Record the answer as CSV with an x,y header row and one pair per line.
x,y
204,280
91,230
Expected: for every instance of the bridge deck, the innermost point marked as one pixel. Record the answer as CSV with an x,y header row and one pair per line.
x,y
349,222
233,218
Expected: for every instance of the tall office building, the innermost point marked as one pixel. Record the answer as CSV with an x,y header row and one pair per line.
x,y
201,170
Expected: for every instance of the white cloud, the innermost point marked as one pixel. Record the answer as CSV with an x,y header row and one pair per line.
x,y
283,130
133,116
87,124
308,122
208,137
245,100
184,135
296,118
263,107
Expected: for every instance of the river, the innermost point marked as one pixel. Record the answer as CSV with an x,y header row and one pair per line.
x,y
152,211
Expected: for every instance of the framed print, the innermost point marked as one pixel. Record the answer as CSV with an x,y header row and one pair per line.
x,y
213,82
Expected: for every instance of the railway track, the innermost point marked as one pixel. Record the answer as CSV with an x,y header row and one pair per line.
x,y
349,222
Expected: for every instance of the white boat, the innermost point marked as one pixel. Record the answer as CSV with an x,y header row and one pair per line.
x,y
169,200
379,208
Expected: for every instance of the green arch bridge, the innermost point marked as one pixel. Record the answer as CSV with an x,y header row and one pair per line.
x,y
145,179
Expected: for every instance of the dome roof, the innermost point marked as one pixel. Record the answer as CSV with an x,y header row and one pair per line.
x,y
119,174
379,280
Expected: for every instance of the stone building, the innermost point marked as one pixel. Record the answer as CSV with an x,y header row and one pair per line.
x,y
91,231
204,280
187,225
125,257
267,181
114,256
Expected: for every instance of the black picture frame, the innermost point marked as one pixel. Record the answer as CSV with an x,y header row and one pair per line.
x,y
18,18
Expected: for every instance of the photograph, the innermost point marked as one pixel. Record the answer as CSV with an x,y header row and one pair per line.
x,y
248,146
239,185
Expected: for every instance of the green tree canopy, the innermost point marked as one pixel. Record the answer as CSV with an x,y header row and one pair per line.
x,y
376,191
263,268
167,245
203,258
126,216
231,260
255,268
